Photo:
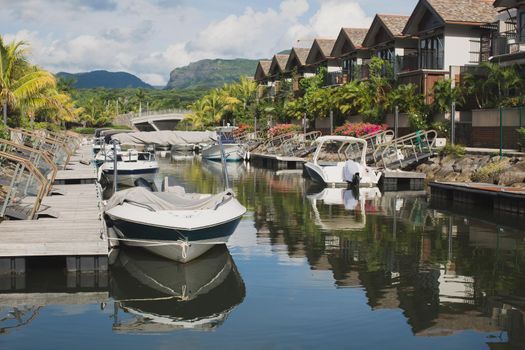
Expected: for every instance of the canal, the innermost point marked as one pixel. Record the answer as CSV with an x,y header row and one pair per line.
x,y
307,268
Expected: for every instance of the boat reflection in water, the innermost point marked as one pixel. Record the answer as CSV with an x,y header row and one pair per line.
x,y
163,295
357,201
235,170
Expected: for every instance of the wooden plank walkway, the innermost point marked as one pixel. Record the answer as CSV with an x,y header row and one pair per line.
x,y
78,228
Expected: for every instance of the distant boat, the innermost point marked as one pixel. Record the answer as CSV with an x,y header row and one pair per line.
x,y
131,165
233,151
174,224
160,295
341,161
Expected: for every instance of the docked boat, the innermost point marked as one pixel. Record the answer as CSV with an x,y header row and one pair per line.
x,y
174,224
131,165
159,295
233,151
341,161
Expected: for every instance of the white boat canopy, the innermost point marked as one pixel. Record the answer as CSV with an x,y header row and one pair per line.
x,y
166,137
344,141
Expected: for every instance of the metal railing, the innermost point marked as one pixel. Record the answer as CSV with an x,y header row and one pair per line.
x,y
40,159
20,180
405,151
59,151
375,140
300,145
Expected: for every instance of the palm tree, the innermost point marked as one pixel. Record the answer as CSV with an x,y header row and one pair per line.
x,y
18,80
141,95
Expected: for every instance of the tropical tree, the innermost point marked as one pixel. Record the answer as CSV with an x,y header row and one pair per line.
x,y
445,94
19,81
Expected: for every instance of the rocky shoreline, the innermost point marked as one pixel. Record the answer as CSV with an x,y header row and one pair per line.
x,y
507,171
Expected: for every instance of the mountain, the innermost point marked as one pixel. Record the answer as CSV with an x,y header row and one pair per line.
x,y
104,79
210,73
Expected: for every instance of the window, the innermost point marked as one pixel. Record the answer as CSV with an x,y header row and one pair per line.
x,y
475,51
432,52
522,27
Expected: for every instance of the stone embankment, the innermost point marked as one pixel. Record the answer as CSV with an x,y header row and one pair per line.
x,y
507,171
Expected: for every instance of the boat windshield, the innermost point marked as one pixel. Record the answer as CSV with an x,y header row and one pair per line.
x,y
335,151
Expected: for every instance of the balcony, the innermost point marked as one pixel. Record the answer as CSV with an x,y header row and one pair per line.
x,y
406,63
334,78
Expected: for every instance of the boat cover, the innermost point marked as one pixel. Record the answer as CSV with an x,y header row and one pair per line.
x,y
166,137
156,201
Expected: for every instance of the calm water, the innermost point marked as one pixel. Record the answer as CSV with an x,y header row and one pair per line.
x,y
306,268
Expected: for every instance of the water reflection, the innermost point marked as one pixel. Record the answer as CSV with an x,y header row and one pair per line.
x,y
162,295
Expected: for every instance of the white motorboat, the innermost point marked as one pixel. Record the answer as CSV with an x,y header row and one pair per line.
x,y
159,295
106,153
341,161
233,151
131,165
174,224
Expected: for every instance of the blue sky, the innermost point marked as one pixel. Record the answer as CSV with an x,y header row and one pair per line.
x,y
151,37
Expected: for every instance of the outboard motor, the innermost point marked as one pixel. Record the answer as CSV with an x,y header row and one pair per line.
x,y
141,182
351,173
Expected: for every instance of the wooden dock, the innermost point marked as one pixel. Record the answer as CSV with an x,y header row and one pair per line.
x,y
499,198
276,162
70,222
395,180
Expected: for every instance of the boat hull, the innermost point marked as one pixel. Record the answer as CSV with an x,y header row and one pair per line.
x,y
174,244
232,152
318,174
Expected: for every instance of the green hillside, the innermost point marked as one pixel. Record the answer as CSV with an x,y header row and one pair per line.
x,y
210,73
104,79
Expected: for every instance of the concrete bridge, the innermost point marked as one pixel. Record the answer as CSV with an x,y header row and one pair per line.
x,y
153,120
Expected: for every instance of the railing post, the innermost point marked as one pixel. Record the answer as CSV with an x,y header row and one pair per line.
x,y
521,117
500,132
331,122
396,123
453,124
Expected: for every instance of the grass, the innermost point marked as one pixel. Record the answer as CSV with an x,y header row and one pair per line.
x,y
488,172
453,150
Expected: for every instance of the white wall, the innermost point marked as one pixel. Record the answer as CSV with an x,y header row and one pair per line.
x,y
457,46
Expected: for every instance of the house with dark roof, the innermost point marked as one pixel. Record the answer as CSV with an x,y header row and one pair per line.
x,y
297,67
451,34
351,54
320,56
278,73
386,40
262,77
509,46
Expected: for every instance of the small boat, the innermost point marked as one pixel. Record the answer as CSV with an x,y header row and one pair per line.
x,y
174,224
105,154
341,161
131,165
233,150
159,295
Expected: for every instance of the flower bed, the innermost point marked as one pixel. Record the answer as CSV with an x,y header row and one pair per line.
x,y
281,129
242,128
359,129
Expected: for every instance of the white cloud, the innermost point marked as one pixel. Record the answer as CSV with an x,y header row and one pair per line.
x,y
149,39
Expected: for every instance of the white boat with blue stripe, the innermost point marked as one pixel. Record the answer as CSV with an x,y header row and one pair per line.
x,y
173,224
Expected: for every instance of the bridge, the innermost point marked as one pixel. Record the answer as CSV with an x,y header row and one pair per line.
x,y
153,120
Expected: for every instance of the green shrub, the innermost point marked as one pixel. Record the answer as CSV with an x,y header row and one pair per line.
x,y
119,127
442,128
85,131
521,139
4,133
453,150
488,172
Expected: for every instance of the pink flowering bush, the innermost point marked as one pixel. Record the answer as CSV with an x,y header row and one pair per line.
x,y
281,129
359,129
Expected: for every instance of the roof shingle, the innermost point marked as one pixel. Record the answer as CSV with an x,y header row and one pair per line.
x,y
465,11
394,23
